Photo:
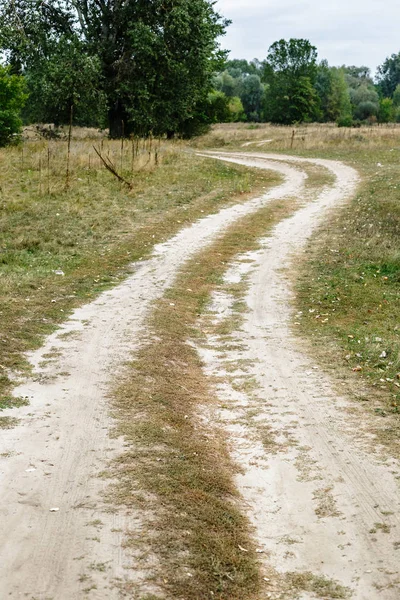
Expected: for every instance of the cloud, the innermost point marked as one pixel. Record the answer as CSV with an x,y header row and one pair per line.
x,y
345,32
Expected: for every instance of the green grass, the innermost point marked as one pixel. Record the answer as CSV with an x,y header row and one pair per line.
x,y
349,286
93,231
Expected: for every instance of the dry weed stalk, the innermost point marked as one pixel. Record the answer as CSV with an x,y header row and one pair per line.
x,y
111,168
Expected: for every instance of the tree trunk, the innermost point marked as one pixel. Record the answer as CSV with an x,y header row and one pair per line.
x,y
118,121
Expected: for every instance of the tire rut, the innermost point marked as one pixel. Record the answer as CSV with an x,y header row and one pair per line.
x,y
319,500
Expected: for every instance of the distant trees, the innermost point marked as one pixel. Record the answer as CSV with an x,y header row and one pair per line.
x,y
333,93
12,98
156,67
363,95
389,75
241,80
290,86
252,95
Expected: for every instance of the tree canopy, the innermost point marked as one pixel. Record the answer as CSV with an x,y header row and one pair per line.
x,y
150,61
389,75
290,71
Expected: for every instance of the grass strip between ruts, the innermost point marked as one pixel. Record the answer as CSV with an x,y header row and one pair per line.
x,y
178,468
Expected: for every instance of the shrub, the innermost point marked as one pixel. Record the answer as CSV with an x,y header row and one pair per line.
x,y
345,121
12,99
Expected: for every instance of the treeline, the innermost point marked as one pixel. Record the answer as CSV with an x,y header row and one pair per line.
x,y
291,86
156,68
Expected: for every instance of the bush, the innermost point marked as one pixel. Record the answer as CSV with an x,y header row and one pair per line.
x,y
345,121
236,110
366,109
386,110
12,99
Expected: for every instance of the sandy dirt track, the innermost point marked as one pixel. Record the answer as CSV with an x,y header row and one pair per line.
x,y
52,459
319,499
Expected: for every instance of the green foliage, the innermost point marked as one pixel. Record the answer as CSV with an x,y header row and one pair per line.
x,y
365,101
396,95
356,76
236,110
290,70
295,58
66,77
222,109
345,121
238,67
333,92
152,61
12,99
219,111
389,75
386,110
252,94
224,82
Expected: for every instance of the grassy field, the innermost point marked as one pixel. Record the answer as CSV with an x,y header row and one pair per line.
x,y
60,244
349,289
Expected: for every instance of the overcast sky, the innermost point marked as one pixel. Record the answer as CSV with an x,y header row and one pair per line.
x,y
351,32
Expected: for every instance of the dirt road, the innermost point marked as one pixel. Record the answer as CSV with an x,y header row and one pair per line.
x,y
321,502
58,538
53,458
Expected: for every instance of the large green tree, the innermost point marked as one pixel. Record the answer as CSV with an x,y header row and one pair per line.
x,y
152,60
290,71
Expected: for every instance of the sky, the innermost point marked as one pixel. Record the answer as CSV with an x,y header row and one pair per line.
x,y
351,32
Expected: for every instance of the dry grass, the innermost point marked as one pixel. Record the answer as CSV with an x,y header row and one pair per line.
x,y
318,585
178,468
264,137
92,231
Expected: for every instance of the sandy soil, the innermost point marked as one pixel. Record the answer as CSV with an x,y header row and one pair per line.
x,y
321,501
58,538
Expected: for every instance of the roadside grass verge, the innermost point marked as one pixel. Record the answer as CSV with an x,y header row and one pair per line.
x,y
177,468
349,290
61,247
